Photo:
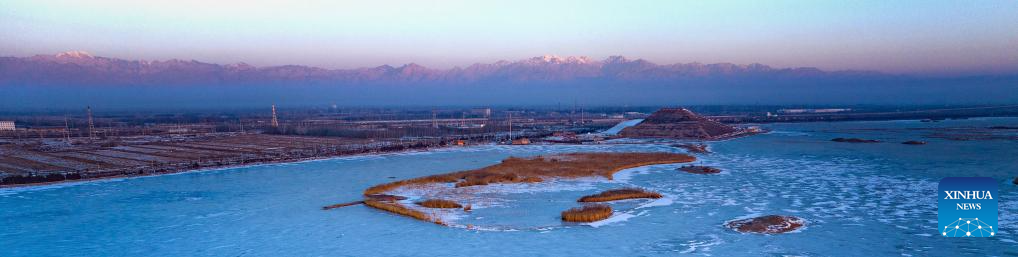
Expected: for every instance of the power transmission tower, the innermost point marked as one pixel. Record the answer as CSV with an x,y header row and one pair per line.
x,y
275,120
67,132
434,119
91,124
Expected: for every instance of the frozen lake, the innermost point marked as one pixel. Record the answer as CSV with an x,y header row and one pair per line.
x,y
859,200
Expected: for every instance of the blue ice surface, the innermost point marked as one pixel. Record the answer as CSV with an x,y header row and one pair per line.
x,y
859,200
622,125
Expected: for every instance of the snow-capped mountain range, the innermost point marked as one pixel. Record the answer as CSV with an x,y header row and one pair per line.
x,y
78,67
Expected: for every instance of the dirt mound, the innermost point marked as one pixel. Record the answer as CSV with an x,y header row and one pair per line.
x,y
700,169
770,224
679,123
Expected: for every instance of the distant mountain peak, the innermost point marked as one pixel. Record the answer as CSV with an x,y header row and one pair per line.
x,y
412,66
616,59
75,55
241,66
555,59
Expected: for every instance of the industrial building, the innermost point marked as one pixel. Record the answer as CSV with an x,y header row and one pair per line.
x,y
7,125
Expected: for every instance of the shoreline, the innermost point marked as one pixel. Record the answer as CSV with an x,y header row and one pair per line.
x,y
206,169
299,160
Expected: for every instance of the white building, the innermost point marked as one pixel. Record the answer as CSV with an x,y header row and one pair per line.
x,y
7,125
797,111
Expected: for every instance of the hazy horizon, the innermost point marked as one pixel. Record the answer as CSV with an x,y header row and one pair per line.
x,y
923,52
900,37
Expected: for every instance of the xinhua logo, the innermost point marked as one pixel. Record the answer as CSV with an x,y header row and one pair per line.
x,y
967,207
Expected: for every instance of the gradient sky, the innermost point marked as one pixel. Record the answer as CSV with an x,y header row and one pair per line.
x,y
928,37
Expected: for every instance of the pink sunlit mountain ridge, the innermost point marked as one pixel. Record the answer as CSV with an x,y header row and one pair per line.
x,y
79,67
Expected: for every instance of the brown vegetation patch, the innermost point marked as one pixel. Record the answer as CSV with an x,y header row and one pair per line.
x,y
770,224
700,169
1003,127
384,197
484,178
524,170
854,140
529,170
619,194
441,178
402,210
439,203
589,213
966,134
340,205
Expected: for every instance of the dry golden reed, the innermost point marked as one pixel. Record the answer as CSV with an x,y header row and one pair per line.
x,y
619,194
527,170
439,203
532,170
402,210
589,213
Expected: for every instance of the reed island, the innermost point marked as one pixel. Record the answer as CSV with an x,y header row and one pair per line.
x,y
522,170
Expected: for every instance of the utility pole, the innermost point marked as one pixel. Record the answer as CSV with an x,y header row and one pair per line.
x,y
510,127
581,115
572,116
